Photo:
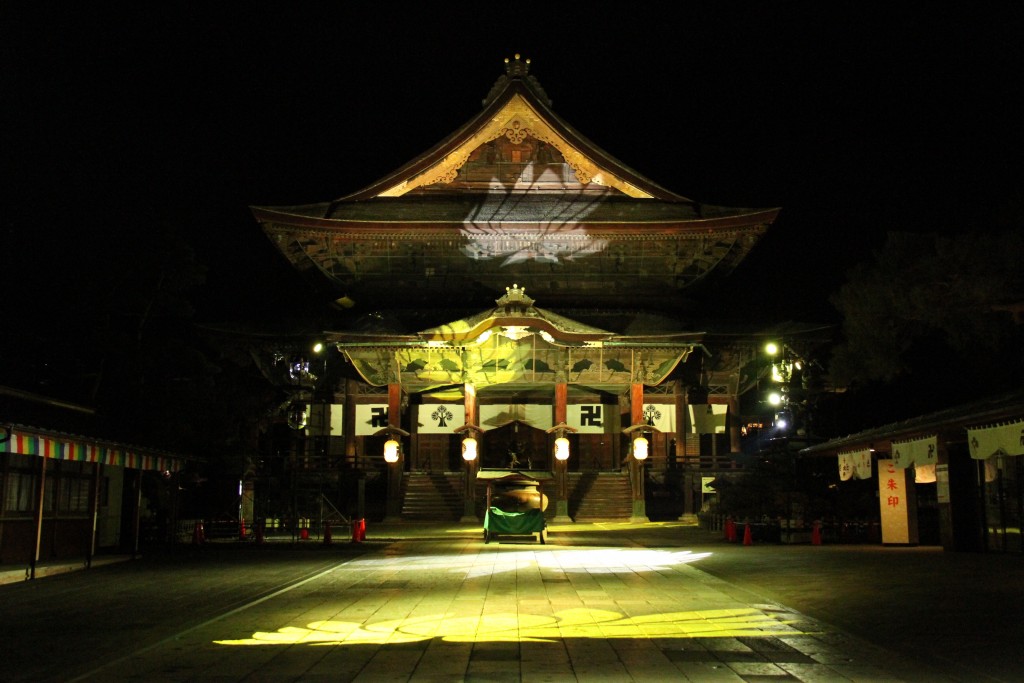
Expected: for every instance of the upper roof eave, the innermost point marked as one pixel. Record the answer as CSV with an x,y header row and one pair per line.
x,y
305,216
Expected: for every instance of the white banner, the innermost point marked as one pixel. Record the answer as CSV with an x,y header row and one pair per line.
x,y
440,418
915,452
1006,439
862,464
371,418
589,418
855,464
845,466
536,415
660,415
708,419
324,419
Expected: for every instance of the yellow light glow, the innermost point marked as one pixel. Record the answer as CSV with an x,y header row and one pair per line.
x,y
640,448
771,348
524,627
469,449
562,448
775,398
391,451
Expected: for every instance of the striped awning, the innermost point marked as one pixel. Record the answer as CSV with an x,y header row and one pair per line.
x,y
81,449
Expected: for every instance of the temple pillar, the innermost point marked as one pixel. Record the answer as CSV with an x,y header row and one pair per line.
x,y
38,516
472,466
394,503
349,425
733,424
560,467
636,467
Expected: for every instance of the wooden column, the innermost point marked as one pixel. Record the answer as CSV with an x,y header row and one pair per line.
x,y
38,516
349,424
395,469
94,510
472,467
636,468
560,467
136,513
733,424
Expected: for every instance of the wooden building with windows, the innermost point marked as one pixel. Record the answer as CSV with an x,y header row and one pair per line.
x,y
64,494
516,283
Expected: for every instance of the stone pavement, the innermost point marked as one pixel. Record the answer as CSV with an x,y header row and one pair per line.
x,y
598,602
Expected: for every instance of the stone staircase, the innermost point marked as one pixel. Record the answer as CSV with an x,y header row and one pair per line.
x,y
595,496
432,496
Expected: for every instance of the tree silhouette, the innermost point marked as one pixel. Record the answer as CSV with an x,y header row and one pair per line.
x,y
935,313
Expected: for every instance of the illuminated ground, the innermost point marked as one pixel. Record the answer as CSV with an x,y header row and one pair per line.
x,y
448,607
616,602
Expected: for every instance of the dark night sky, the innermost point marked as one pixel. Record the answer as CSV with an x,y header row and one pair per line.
x,y
856,119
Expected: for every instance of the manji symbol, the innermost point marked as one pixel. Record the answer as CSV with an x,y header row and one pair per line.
x,y
590,416
378,417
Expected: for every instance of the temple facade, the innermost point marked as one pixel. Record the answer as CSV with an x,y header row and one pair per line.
x,y
514,298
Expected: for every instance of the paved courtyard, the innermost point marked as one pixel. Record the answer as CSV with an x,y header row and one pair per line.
x,y
598,602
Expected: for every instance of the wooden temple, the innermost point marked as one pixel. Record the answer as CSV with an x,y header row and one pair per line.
x,y
517,284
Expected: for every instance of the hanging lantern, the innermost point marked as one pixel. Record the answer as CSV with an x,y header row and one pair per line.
x,y
562,448
469,449
391,451
640,448
297,415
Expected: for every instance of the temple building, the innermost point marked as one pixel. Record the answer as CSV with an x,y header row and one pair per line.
x,y
514,298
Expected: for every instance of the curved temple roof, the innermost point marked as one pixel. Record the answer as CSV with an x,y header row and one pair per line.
x,y
514,194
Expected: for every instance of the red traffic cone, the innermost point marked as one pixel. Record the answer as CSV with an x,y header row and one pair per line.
x,y
362,530
748,538
198,535
816,533
241,528
327,533
355,531
730,530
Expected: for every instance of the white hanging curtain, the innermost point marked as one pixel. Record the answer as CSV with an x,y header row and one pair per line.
x,y
708,419
371,418
855,465
661,416
915,452
440,418
589,418
845,466
537,415
1004,439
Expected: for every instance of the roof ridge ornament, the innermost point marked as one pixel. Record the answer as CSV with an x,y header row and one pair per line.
x,y
517,69
515,299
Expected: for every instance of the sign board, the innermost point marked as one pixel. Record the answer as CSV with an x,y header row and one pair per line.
x,y
942,483
898,526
